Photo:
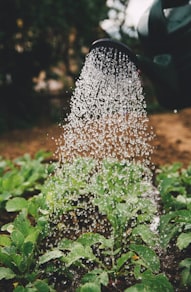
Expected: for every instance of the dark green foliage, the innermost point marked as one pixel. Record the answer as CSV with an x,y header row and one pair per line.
x,y
42,29
174,183
34,35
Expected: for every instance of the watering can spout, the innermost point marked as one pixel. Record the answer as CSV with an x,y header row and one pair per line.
x,y
164,32
160,70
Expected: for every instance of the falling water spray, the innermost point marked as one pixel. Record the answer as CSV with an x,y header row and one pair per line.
x,y
108,117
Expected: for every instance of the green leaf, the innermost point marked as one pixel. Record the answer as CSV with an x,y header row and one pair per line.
x,y
148,256
186,278
166,229
78,251
183,240
22,224
89,239
33,236
183,216
122,260
97,277
66,244
137,288
42,286
185,265
6,273
103,278
146,234
17,238
5,240
172,223
50,255
90,287
17,260
4,197
41,155
16,204
12,182
158,283
5,257
22,289
27,248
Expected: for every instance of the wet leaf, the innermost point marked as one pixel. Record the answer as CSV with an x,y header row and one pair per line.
x,y
88,239
17,238
146,234
90,287
50,255
148,256
5,240
16,204
158,283
6,273
123,259
183,240
96,276
78,251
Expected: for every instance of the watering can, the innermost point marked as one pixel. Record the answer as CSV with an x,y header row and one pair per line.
x,y
164,32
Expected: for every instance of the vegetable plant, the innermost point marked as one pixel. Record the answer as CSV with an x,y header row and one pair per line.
x,y
97,217
89,226
24,174
18,251
174,184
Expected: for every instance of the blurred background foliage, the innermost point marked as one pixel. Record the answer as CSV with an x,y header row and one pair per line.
x,y
34,37
42,49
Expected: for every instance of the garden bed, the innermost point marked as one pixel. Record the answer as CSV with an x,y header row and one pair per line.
x,y
90,230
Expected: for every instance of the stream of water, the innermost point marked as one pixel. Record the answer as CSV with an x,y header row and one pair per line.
x,y
108,126
108,117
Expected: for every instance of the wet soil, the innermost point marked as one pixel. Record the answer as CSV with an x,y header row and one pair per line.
x,y
172,141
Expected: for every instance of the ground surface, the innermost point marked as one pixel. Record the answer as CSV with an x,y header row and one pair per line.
x,y
172,142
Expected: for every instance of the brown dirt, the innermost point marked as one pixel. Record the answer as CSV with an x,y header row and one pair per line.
x,y
172,142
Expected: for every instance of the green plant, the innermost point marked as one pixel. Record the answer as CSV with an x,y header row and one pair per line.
x,y
175,225
36,286
185,266
154,283
118,241
89,226
174,184
24,174
18,250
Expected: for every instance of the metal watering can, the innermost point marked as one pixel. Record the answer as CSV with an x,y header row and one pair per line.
x,y
164,32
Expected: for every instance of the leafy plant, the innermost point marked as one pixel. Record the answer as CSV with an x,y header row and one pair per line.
x,y
175,226
89,226
118,196
18,248
174,184
185,266
154,283
24,174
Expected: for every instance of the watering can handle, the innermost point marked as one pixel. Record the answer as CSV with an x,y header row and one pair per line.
x,y
173,3
157,20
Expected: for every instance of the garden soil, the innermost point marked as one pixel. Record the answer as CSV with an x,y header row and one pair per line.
x,y
172,142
